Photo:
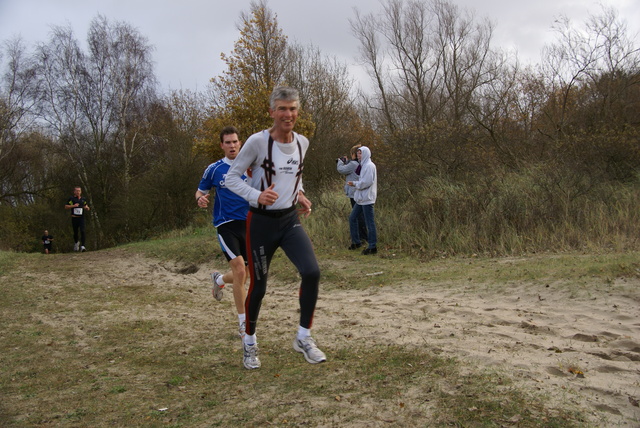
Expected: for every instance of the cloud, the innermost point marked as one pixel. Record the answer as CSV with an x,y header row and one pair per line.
x,y
189,35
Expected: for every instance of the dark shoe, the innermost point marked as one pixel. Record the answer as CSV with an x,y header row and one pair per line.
x,y
373,250
354,246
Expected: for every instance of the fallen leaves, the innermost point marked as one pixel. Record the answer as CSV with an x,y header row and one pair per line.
x,y
576,372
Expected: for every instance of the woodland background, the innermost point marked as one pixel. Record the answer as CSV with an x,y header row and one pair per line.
x,y
475,153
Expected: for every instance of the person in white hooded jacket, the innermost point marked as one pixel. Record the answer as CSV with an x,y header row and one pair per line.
x,y
348,168
365,196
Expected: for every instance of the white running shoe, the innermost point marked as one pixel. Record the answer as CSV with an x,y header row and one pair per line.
x,y
76,246
82,249
216,290
250,359
242,330
309,349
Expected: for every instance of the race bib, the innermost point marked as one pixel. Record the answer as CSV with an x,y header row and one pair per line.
x,y
77,211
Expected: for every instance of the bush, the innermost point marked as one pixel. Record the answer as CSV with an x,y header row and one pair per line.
x,y
532,211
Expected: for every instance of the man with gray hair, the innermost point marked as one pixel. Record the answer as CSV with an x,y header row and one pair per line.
x,y
275,158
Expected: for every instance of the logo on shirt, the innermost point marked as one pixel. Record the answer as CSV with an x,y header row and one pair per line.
x,y
290,168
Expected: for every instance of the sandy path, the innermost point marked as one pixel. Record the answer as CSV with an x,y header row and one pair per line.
x,y
585,349
581,345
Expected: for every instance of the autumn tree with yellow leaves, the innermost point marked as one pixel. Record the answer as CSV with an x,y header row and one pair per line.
x,y
240,95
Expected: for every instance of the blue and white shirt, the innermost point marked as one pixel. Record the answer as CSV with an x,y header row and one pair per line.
x,y
227,205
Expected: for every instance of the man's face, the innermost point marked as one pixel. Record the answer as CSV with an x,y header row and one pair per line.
x,y
230,145
77,192
284,115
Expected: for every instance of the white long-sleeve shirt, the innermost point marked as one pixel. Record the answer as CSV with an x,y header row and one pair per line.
x,y
283,167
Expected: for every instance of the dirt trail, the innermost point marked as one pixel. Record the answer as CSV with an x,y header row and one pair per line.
x,y
584,347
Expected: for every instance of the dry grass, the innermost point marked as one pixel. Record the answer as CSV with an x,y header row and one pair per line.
x,y
140,349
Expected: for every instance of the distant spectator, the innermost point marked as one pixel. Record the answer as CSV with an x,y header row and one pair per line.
x,y
365,196
350,168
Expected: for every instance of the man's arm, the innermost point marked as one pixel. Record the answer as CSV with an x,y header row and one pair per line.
x,y
305,203
366,179
346,169
242,163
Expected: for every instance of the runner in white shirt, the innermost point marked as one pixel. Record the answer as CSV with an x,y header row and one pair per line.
x,y
275,158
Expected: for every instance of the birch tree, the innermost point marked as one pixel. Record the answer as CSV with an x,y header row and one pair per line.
x,y
92,102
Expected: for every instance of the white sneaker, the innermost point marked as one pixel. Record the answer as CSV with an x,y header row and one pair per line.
x,y
82,249
242,330
76,246
250,359
216,290
309,349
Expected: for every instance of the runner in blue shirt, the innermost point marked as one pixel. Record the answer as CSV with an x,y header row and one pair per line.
x,y
229,215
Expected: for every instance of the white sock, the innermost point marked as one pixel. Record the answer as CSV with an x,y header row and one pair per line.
x,y
303,333
220,281
250,339
241,318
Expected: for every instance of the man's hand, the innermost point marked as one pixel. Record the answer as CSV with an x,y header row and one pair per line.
x,y
268,196
203,201
305,204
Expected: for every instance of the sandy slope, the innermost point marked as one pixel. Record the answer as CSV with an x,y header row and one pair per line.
x,y
583,349
577,343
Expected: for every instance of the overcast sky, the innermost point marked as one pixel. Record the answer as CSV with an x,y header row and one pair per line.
x,y
190,35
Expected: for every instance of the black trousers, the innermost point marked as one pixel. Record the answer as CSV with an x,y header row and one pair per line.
x,y
78,228
265,234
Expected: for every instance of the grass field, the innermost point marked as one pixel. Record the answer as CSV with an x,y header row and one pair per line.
x,y
131,337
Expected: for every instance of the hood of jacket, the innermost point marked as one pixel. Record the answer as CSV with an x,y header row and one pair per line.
x,y
365,156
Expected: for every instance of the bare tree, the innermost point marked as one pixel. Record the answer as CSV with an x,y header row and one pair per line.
x,y
371,55
590,58
121,79
468,62
63,103
427,60
432,64
325,92
91,102
17,89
